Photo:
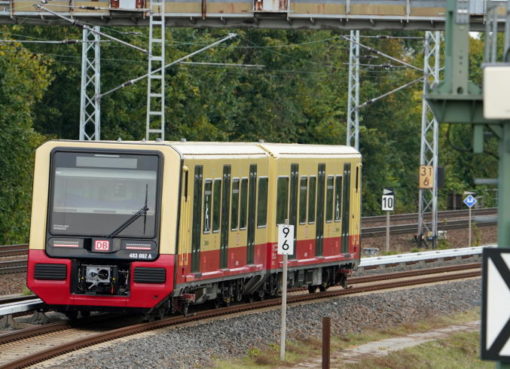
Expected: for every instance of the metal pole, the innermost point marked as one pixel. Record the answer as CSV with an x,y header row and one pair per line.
x,y
353,92
387,231
326,342
284,308
469,237
427,201
90,104
504,198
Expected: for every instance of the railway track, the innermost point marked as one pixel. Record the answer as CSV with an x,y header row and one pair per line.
x,y
13,250
446,214
24,348
13,266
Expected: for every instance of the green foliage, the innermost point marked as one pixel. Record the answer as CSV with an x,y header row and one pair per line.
x,y
299,94
23,79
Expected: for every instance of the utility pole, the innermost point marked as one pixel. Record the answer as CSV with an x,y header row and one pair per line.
x,y
429,148
90,104
155,122
353,92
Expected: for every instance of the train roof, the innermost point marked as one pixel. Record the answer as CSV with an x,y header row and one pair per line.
x,y
252,148
247,149
282,150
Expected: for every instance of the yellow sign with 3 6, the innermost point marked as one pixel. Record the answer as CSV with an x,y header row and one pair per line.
x,y
426,180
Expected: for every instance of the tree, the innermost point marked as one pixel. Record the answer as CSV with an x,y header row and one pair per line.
x,y
24,77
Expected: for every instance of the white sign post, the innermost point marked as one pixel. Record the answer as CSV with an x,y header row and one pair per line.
x,y
285,248
388,204
470,201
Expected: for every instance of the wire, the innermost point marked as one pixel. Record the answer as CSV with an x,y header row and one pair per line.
x,y
47,41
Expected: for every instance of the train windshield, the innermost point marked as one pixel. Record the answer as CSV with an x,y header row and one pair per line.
x,y
104,195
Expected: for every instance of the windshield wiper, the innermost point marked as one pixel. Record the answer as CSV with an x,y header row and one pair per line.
x,y
143,211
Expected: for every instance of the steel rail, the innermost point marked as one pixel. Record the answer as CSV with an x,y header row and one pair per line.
x,y
13,266
13,250
412,228
173,321
442,215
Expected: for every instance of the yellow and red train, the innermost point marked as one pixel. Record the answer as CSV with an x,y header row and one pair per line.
x,y
159,226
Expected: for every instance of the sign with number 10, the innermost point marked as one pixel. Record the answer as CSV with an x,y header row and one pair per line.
x,y
285,239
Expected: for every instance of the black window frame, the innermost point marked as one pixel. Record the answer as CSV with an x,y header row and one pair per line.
x,y
303,205
76,150
235,205
338,198
330,199
216,225
243,201
206,182
282,202
312,209
260,199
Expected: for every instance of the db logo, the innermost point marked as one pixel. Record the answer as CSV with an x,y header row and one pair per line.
x,y
101,245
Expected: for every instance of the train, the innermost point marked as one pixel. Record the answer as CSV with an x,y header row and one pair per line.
x,y
157,227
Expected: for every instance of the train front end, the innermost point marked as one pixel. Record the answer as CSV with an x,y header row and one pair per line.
x,y
97,241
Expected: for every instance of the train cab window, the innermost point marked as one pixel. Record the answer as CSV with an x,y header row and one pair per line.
x,y
216,204
235,204
338,198
282,200
244,203
207,205
99,193
303,189
262,203
312,187
330,187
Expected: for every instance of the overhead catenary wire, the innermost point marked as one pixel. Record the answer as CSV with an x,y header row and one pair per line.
x,y
257,66
61,42
91,29
371,101
135,80
380,53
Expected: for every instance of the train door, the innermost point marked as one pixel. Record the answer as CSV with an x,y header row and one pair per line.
x,y
294,184
319,229
197,217
346,211
251,213
225,207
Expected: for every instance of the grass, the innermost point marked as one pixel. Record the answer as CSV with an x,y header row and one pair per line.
x,y
458,351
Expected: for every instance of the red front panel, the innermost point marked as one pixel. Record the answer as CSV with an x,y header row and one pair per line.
x,y
142,295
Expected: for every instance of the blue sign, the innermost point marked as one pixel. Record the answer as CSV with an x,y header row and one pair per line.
x,y
470,201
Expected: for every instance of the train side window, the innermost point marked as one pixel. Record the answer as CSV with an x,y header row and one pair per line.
x,y
244,203
311,199
303,189
329,198
282,200
207,205
235,204
216,204
338,198
262,203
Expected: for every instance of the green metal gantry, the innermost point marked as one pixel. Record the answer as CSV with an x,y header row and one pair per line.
x,y
458,100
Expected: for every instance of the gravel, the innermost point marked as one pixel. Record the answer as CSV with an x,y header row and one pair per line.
x,y
196,346
12,283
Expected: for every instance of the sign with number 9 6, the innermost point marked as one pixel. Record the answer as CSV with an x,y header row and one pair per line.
x,y
285,239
